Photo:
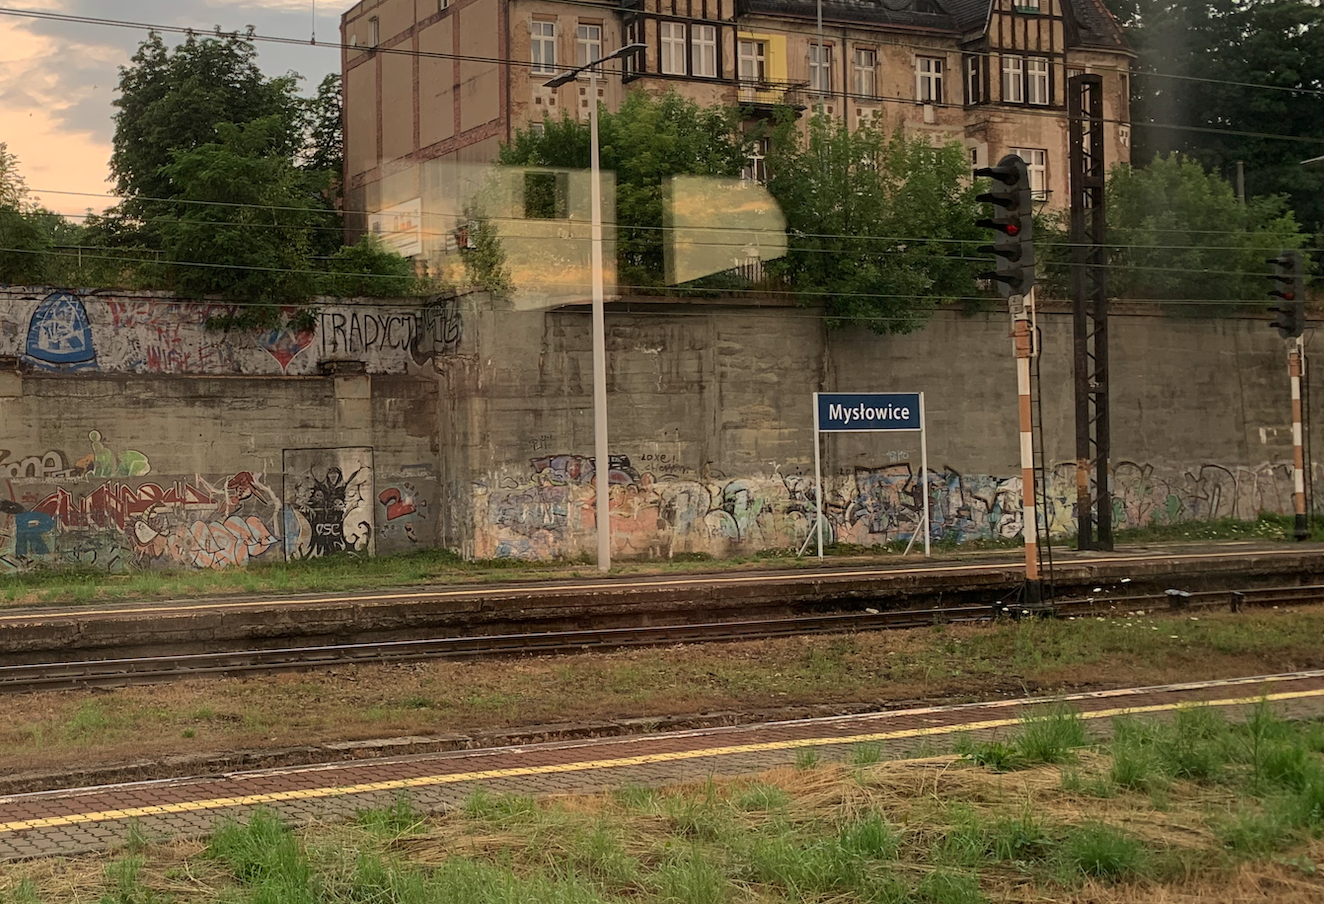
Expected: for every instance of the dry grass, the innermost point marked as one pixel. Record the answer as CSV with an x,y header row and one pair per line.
x,y
923,799
85,729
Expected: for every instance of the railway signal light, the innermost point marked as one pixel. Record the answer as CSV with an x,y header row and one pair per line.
x,y
1012,224
1289,285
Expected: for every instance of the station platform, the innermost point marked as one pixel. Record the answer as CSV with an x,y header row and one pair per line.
x,y
97,819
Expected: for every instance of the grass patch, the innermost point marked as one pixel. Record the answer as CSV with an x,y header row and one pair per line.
x,y
1051,735
929,831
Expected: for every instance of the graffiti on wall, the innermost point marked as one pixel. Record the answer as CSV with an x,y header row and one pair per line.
x,y
439,330
116,525
549,512
401,508
329,502
153,333
60,335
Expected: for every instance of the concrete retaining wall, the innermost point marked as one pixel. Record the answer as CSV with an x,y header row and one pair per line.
x,y
133,436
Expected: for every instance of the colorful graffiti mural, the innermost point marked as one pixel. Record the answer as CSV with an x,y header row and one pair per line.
x,y
329,502
402,508
550,512
152,333
115,524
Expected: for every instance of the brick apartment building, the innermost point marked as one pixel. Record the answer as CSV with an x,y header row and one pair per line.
x,y
989,74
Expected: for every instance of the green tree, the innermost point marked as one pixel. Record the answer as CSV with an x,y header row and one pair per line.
x,y
367,269
172,102
1233,80
644,143
882,225
248,235
1178,232
13,187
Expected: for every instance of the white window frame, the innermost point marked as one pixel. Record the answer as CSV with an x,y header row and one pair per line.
x,y
1038,81
865,67
671,36
1036,161
974,80
755,168
1013,80
374,31
585,41
755,54
703,44
820,68
542,46
928,79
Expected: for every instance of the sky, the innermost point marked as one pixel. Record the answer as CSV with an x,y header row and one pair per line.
x,y
57,79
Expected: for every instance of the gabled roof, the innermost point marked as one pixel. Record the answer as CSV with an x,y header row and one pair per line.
x,y
968,14
1096,26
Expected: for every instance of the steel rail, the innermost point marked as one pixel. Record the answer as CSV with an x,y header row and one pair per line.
x,y
71,675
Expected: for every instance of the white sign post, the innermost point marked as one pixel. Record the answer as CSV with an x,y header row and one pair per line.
x,y
869,412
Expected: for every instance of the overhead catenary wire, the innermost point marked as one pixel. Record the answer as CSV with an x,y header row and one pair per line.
x,y
638,227
793,293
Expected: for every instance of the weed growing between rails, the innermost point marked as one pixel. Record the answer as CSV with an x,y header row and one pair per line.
x,y
1194,808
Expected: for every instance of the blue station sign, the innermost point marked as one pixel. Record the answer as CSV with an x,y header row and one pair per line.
x,y
843,412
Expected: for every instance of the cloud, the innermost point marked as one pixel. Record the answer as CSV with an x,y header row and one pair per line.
x,y
58,80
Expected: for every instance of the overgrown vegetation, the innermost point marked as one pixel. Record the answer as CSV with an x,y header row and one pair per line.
x,y
910,831
761,678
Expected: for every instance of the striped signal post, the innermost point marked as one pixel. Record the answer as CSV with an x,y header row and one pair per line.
x,y
1296,366
1289,287
1023,342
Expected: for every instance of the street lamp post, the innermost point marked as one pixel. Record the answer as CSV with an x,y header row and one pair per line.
x,y
601,462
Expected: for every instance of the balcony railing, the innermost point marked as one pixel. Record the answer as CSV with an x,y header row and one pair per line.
x,y
772,94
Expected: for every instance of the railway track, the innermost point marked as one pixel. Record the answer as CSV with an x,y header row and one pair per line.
x,y
72,675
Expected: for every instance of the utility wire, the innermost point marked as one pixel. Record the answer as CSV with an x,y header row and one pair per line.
x,y
279,39
357,275
1027,110
461,220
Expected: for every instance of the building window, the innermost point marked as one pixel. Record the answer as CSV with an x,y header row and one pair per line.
x,y
374,31
543,47
588,44
673,47
546,196
1124,97
1074,71
1037,81
753,61
1036,161
537,128
820,68
633,63
443,5
928,80
974,80
1013,80
866,73
704,58
755,169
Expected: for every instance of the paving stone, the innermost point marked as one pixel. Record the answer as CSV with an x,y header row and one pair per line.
x,y
191,808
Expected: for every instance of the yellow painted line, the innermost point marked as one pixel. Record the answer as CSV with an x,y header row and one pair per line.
x,y
603,586
650,759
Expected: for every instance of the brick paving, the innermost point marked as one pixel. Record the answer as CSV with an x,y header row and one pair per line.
x,y
78,821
